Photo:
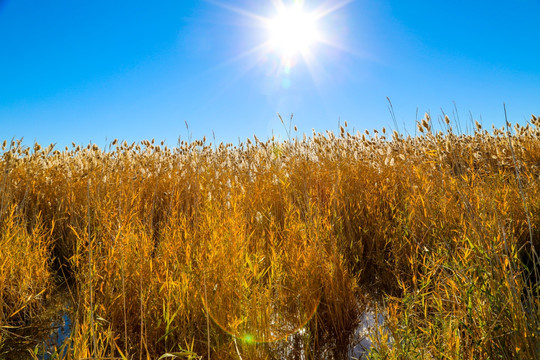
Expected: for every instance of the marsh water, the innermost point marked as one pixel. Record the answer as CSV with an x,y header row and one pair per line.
x,y
48,330
50,333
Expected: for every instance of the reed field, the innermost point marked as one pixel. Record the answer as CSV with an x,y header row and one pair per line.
x,y
274,249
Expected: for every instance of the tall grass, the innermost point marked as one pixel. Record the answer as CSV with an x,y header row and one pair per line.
x,y
222,251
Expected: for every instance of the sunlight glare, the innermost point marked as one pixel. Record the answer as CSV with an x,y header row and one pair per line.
x,y
292,32
292,35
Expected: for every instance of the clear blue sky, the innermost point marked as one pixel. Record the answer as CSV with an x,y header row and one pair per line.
x,y
97,70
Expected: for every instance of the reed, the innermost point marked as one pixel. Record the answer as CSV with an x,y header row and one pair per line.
x,y
220,251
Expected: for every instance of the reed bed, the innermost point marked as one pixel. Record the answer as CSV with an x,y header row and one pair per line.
x,y
273,249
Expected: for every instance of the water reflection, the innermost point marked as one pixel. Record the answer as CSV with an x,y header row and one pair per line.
x,y
44,333
60,333
303,346
361,343
47,336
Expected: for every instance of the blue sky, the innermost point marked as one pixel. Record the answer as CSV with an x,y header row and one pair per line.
x,y
98,70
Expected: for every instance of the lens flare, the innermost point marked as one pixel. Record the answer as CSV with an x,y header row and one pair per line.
x,y
255,306
248,339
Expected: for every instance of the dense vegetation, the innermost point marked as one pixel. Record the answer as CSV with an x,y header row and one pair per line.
x,y
225,252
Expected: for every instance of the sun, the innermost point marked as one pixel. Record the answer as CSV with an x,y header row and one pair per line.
x,y
292,34
292,31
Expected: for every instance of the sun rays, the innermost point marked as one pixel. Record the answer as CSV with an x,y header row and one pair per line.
x,y
292,34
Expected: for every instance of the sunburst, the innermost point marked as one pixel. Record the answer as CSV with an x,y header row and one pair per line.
x,y
293,32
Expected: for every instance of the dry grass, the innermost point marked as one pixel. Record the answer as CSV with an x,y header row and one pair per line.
x,y
224,252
